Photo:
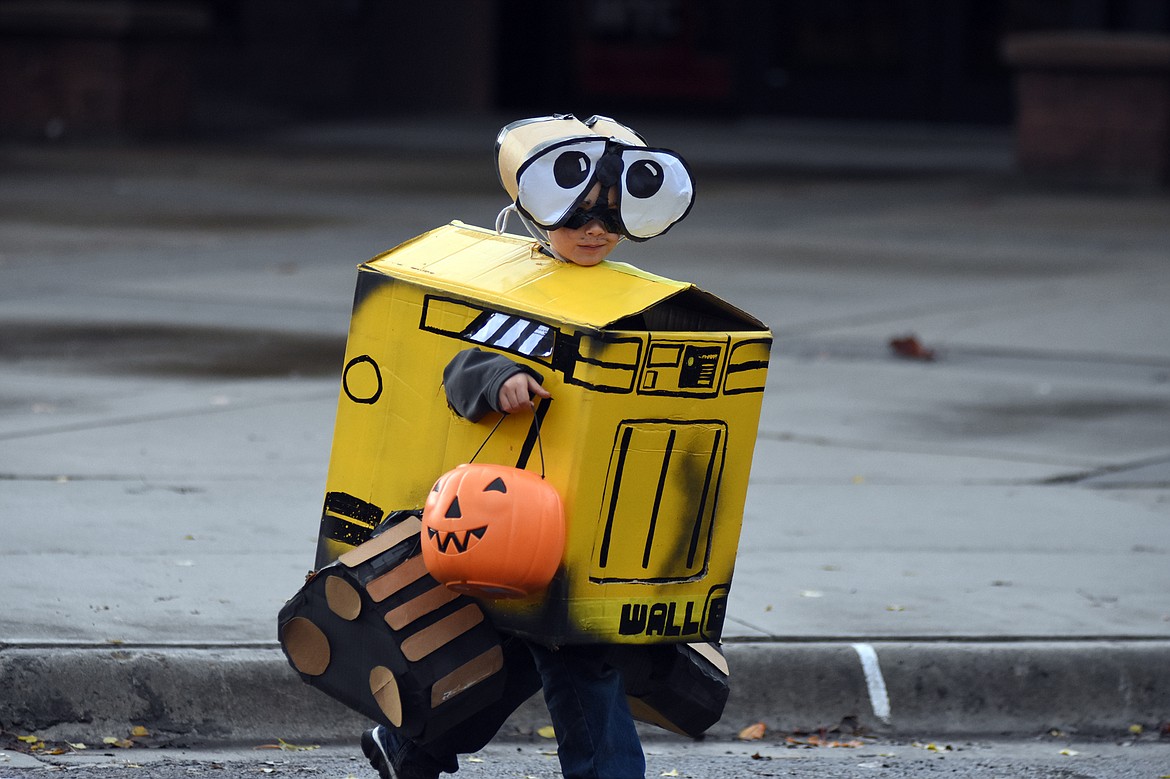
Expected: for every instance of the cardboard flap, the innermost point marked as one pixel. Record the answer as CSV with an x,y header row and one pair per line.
x,y
508,270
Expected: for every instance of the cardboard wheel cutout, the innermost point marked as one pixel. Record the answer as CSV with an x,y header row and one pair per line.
x,y
374,632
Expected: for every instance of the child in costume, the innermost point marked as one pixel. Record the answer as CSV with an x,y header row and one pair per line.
x,y
579,189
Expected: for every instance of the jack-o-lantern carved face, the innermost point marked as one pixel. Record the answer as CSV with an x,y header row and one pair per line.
x,y
455,537
493,531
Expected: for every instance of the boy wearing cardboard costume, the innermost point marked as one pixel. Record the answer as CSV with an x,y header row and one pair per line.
x,y
579,189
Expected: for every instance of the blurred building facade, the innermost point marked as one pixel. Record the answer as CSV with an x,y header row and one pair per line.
x,y
933,60
253,60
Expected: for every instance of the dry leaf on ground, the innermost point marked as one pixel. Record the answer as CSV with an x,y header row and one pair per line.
x,y
910,348
753,732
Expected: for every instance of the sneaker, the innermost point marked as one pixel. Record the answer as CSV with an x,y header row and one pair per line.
x,y
388,755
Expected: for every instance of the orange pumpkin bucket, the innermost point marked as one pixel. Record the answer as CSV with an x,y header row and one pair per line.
x,y
493,531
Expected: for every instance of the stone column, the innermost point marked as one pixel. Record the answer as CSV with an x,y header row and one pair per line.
x,y
1093,106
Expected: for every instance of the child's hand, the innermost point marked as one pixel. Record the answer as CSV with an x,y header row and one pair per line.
x,y
517,391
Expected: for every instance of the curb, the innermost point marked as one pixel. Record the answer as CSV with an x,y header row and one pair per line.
x,y
193,695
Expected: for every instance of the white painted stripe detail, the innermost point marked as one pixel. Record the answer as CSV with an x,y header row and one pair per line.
x,y
508,339
879,698
489,328
533,341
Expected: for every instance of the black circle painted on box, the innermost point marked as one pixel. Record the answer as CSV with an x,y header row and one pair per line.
x,y
364,358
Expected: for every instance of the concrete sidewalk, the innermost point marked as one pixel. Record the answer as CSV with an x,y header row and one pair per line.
x,y
974,544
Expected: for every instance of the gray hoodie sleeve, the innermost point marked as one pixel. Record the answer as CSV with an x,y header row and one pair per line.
x,y
473,378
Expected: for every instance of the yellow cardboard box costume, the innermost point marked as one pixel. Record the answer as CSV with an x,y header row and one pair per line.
x,y
648,437
656,389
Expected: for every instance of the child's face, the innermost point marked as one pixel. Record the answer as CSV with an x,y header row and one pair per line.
x,y
592,242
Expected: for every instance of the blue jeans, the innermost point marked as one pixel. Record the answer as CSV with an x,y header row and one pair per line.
x,y
586,698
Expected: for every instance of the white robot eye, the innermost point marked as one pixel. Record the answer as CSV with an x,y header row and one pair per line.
x,y
657,191
552,182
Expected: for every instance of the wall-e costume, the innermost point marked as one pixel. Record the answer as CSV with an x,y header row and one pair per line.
x,y
656,389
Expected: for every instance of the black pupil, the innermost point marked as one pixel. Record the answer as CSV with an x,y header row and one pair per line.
x,y
571,169
644,179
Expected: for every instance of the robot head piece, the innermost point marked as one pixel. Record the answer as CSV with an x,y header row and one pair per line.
x,y
549,164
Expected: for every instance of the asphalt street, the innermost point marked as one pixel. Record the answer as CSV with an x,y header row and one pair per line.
x,y
796,758
973,543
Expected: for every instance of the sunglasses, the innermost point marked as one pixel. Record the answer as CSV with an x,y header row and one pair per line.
x,y
609,218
